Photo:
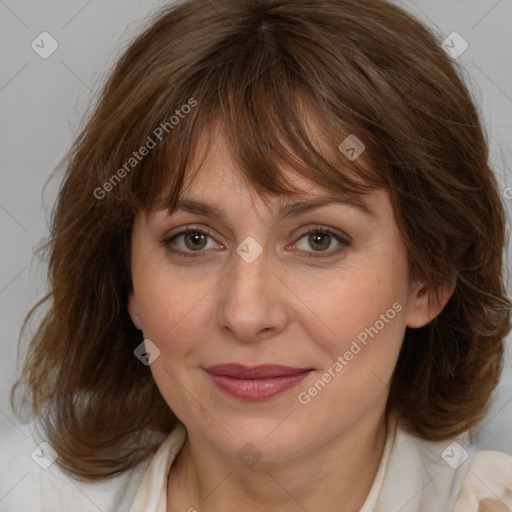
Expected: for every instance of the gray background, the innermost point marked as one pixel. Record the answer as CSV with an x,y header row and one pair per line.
x,y
43,102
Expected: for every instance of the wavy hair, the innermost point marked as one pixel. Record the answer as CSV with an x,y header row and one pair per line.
x,y
262,70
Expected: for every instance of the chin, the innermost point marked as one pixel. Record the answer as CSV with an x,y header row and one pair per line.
x,y
263,440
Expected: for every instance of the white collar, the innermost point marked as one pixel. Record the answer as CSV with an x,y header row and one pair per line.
x,y
411,475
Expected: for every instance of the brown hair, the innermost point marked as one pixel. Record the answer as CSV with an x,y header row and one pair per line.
x,y
261,70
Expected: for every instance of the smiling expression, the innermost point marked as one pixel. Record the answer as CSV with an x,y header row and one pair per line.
x,y
241,337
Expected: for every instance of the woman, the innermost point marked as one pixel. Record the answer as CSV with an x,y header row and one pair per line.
x,y
276,261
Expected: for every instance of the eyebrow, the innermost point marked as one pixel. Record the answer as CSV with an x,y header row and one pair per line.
x,y
289,210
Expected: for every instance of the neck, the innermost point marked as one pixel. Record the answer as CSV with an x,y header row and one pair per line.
x,y
335,476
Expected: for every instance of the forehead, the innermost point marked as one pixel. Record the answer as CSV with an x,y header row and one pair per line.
x,y
216,186
214,175
220,188
236,169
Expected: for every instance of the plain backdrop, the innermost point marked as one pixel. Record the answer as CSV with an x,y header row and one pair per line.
x,y
43,103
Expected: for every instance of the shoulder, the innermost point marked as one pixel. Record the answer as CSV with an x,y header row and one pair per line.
x,y
450,475
488,476
422,474
32,482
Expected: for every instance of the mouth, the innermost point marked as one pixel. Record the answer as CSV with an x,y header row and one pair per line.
x,y
255,382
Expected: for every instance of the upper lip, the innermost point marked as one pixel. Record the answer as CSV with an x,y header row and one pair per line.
x,y
264,371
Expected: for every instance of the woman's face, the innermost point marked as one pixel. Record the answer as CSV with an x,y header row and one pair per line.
x,y
257,291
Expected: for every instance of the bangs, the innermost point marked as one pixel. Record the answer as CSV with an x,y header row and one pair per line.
x,y
286,84
271,120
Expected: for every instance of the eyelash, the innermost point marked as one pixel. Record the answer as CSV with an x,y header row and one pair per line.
x,y
343,241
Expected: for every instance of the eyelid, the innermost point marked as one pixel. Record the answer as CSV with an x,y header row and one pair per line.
x,y
343,239
188,229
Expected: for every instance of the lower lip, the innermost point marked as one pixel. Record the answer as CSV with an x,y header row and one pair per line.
x,y
256,389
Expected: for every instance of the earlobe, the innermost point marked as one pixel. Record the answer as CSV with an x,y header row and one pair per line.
x,y
420,312
133,311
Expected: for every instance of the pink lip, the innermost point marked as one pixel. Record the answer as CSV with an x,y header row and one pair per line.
x,y
256,382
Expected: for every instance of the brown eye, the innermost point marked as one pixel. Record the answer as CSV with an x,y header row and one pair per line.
x,y
189,241
195,240
320,240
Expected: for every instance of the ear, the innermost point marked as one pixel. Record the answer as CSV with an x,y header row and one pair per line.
x,y
134,311
419,313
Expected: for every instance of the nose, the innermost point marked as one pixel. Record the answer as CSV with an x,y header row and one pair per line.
x,y
252,303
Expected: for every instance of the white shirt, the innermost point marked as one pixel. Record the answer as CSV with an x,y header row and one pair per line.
x,y
413,476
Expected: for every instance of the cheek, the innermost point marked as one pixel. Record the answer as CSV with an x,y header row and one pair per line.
x,y
171,307
368,323
363,312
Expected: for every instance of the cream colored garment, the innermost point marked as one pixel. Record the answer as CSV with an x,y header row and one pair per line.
x,y
412,476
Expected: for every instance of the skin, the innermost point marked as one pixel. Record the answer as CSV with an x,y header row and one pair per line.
x,y
490,505
283,308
